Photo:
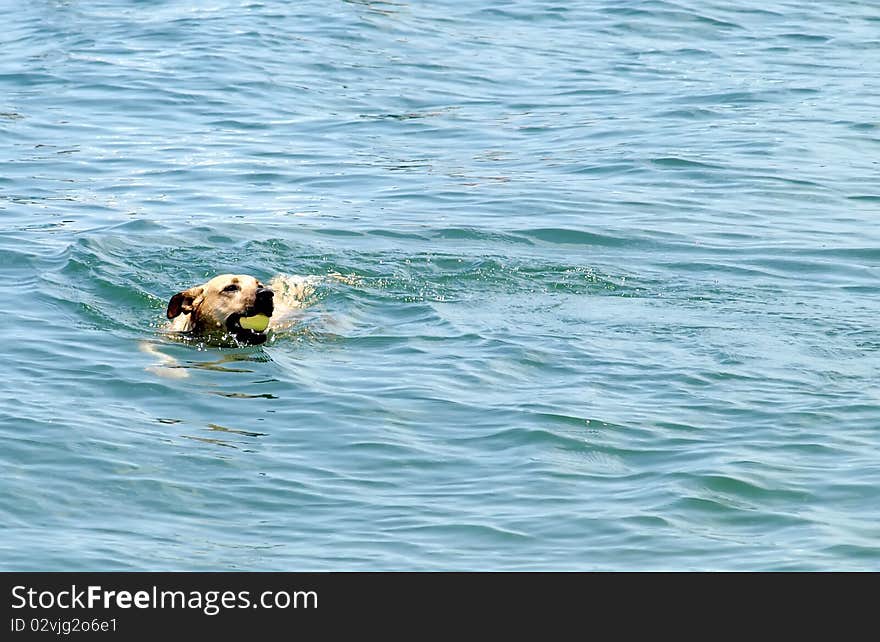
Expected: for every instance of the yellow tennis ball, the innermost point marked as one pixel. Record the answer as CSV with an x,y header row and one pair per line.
x,y
257,323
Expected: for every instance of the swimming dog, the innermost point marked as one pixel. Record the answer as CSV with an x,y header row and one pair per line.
x,y
214,310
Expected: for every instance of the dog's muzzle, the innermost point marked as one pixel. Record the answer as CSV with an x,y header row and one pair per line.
x,y
263,304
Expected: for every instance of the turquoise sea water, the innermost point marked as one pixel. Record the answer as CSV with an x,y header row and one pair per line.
x,y
614,294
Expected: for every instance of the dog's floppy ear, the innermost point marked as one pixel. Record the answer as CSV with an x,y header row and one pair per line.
x,y
182,302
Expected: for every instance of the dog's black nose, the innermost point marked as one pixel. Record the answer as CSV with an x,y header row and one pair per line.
x,y
264,294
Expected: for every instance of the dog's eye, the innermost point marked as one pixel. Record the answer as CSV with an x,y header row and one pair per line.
x,y
231,288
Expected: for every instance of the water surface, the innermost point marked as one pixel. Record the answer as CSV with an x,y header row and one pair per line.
x,y
612,300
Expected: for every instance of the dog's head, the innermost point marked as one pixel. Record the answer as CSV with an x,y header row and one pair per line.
x,y
215,307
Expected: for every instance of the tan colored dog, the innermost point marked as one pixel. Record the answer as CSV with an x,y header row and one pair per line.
x,y
214,309
211,312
